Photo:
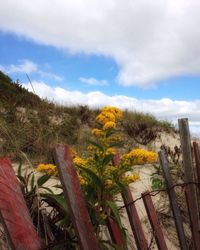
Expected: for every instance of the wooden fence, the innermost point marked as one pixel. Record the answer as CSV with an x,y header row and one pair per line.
x,y
22,235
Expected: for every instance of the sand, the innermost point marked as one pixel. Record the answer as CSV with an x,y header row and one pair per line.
x,y
139,187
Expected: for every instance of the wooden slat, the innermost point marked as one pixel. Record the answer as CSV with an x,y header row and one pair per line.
x,y
173,201
191,192
74,198
134,220
154,221
132,213
14,212
197,160
113,228
114,231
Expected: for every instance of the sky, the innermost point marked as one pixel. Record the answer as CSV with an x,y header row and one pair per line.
x,y
141,55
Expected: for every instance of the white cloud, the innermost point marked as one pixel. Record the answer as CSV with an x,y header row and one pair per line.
x,y
28,67
165,109
93,81
50,75
150,40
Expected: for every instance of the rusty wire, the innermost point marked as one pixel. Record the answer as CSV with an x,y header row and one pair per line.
x,y
156,192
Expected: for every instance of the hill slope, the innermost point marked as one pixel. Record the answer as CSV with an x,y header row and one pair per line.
x,y
32,126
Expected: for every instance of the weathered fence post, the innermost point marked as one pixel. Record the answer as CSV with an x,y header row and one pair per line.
x,y
173,200
154,221
191,194
134,220
113,228
114,231
74,198
14,212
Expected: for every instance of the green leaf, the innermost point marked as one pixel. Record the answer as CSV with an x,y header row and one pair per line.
x,y
98,182
115,211
22,179
32,181
43,179
110,132
157,183
19,170
107,159
96,157
121,186
115,144
96,145
57,198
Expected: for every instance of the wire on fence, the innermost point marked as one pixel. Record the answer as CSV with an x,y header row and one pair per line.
x,y
156,192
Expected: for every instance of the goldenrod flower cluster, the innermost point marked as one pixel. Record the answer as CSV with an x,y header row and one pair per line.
x,y
139,157
82,180
109,125
111,151
106,139
47,168
109,114
115,111
97,132
104,117
127,179
80,162
110,170
109,183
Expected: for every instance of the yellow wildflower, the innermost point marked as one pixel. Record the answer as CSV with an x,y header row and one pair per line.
x,y
131,178
91,148
82,180
139,157
104,117
73,152
109,183
48,168
115,111
109,125
114,138
97,132
110,170
78,161
112,151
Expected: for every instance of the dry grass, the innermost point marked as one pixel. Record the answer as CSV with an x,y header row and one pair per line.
x,y
33,126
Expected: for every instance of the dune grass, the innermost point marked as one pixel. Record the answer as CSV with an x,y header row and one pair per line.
x,y
31,125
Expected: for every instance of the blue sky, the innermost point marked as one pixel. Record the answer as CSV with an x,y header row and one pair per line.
x,y
141,55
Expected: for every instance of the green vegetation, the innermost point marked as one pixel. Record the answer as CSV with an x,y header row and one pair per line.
x,y
101,178
32,126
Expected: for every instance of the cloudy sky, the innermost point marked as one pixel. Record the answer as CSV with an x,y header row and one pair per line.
x,y
136,54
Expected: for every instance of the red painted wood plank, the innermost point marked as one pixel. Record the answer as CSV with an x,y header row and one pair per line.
x,y
154,221
131,210
14,212
74,198
134,220
114,231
